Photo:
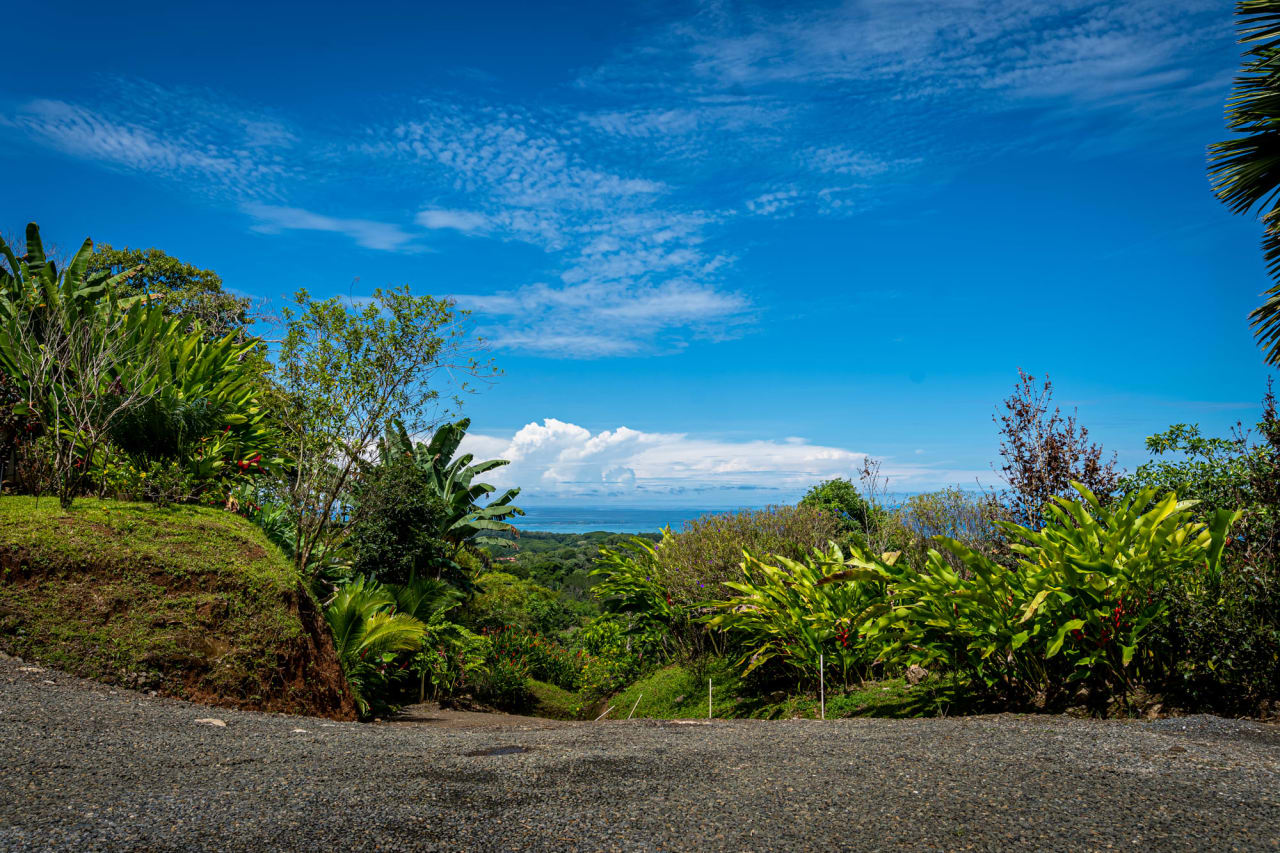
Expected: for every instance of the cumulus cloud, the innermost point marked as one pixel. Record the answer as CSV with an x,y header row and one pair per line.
x,y
556,460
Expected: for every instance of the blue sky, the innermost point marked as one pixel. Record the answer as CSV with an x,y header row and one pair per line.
x,y
721,251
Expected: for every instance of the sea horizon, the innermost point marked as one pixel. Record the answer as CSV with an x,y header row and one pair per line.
x,y
609,519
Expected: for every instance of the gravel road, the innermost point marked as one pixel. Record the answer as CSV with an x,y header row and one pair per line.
x,y
84,767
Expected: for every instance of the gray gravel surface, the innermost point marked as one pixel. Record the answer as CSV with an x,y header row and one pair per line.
x,y
84,767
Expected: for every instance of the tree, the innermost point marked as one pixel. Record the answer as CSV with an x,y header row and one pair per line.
x,y
81,358
841,498
179,288
394,537
1044,452
1245,170
342,372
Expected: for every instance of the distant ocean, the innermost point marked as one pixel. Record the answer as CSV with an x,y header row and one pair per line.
x,y
578,519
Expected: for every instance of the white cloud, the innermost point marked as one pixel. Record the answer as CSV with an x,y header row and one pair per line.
x,y
465,221
384,236
143,147
600,319
559,460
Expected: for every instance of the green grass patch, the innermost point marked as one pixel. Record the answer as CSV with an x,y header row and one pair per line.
x,y
679,691
191,601
554,702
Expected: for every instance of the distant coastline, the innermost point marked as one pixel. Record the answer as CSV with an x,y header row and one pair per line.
x,y
587,519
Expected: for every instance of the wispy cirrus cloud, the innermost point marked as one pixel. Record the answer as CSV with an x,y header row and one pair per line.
x,y
635,274
631,177
217,148
371,234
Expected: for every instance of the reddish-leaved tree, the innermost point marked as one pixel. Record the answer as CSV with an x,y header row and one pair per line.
x,y
1044,451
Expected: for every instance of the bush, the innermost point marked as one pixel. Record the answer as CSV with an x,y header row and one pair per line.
x,y
840,498
786,614
695,562
955,514
615,656
392,538
506,678
506,601
1079,608
544,658
1224,641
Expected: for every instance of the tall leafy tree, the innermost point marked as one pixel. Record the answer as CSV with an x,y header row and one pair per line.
x,y
181,289
341,373
1245,169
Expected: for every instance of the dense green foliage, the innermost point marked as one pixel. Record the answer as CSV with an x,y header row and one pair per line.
x,y
132,375
182,290
693,562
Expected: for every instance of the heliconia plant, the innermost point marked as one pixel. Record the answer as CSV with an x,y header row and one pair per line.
x,y
1076,608
784,613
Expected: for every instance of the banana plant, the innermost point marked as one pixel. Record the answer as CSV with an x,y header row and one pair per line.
x,y
79,356
453,480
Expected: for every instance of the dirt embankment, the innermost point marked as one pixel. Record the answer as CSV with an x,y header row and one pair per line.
x,y
189,602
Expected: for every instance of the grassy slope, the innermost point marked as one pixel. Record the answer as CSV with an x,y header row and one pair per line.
x,y
676,692
189,600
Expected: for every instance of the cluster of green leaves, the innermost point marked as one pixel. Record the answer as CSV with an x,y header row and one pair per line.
x,y
617,653
693,562
1079,604
1078,607
541,656
393,637
105,374
503,600
1243,168
788,613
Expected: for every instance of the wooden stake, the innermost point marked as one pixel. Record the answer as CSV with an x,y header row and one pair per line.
x,y
633,707
822,685
606,710
708,698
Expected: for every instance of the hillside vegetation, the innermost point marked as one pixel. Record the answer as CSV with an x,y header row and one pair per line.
x,y
191,602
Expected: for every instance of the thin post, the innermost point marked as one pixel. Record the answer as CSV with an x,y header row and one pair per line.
x,y
822,685
633,707
708,698
606,710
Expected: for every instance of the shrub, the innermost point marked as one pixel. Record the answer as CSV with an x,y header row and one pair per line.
x,y
839,497
545,659
506,601
1079,606
368,634
694,562
392,537
1223,641
1045,452
971,518
784,613
615,654
507,672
